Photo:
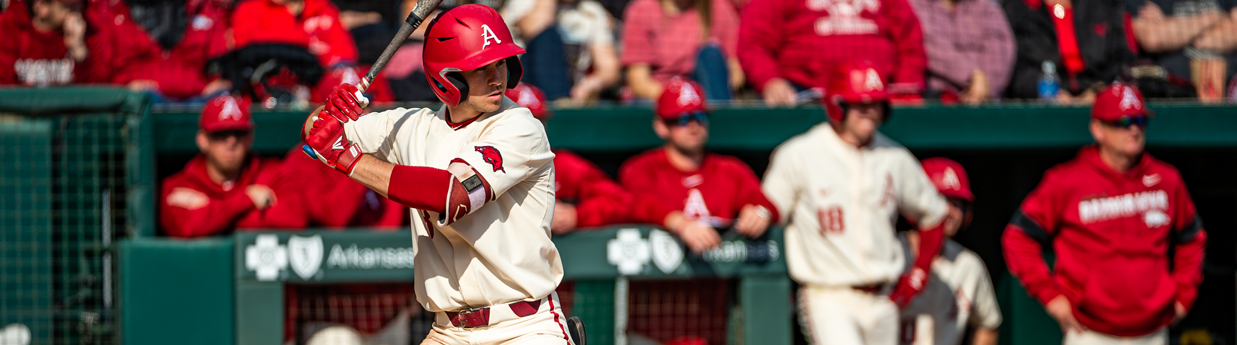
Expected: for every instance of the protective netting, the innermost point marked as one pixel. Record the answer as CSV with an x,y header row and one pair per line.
x,y
62,203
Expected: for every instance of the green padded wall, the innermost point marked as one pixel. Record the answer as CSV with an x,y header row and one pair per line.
x,y
26,227
177,292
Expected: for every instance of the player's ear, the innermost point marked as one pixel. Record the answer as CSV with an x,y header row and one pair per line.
x,y
1097,130
202,141
661,129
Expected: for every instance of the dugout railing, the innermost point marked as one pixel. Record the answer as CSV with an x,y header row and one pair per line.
x,y
80,168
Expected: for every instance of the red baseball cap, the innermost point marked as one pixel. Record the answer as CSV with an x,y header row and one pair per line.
x,y
681,96
1119,100
226,112
530,97
949,177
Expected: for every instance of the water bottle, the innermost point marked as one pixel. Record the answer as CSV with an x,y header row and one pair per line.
x,y
1049,84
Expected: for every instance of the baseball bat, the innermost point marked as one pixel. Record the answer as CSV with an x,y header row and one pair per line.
x,y
420,11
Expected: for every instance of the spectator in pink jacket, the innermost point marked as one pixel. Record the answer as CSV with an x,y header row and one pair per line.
x,y
694,39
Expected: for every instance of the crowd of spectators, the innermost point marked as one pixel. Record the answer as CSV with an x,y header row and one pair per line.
x,y
583,51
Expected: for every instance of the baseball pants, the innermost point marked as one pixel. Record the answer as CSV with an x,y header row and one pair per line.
x,y
1089,337
842,315
548,326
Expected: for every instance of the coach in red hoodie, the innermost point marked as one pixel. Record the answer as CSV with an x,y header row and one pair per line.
x,y
48,43
226,186
790,45
1111,216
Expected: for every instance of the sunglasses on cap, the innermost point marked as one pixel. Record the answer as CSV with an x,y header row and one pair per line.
x,y
1127,121
221,135
686,118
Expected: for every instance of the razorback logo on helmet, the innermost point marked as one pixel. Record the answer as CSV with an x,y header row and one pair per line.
x,y
687,95
491,155
872,81
528,98
487,35
1128,99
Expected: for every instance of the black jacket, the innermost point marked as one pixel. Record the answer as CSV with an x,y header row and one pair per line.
x,y
1100,29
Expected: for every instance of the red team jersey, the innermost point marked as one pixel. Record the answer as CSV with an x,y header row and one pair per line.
x,y
228,206
714,193
1110,232
317,27
599,200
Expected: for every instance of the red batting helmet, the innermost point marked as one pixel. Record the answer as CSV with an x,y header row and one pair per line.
x,y
530,97
681,96
465,38
854,82
949,177
1119,100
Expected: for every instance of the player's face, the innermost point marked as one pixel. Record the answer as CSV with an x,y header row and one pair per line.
x,y
485,87
955,219
1126,137
226,150
862,120
53,13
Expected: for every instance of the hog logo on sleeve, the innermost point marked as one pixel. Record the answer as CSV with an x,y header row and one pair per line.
x,y
492,156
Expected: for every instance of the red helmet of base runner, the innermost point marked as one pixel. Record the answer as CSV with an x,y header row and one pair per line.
x,y
463,39
681,97
854,82
949,177
530,97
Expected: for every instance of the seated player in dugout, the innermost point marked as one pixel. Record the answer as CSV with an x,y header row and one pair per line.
x,y
353,206
478,171
227,186
691,192
958,295
585,197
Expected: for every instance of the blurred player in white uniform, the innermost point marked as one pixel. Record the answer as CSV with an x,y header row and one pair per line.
x,y
479,176
959,293
841,186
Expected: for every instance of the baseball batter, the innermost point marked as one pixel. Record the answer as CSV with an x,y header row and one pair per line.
x,y
478,173
1128,243
841,185
959,292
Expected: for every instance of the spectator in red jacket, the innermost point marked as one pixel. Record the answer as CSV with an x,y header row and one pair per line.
x,y
689,191
586,197
310,23
787,46
169,60
1111,216
225,186
695,39
48,43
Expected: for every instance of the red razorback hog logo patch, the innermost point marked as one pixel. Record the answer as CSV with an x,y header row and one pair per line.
x,y
492,156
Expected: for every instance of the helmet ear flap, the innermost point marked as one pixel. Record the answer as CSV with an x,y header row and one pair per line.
x,y
514,71
457,79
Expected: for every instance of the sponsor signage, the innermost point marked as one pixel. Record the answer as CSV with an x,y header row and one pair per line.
x,y
324,256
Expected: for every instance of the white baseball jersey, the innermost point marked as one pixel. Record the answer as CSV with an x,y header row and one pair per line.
x,y
501,251
959,293
841,202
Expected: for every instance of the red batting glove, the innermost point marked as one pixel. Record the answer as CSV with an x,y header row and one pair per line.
x,y
333,148
345,103
910,285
